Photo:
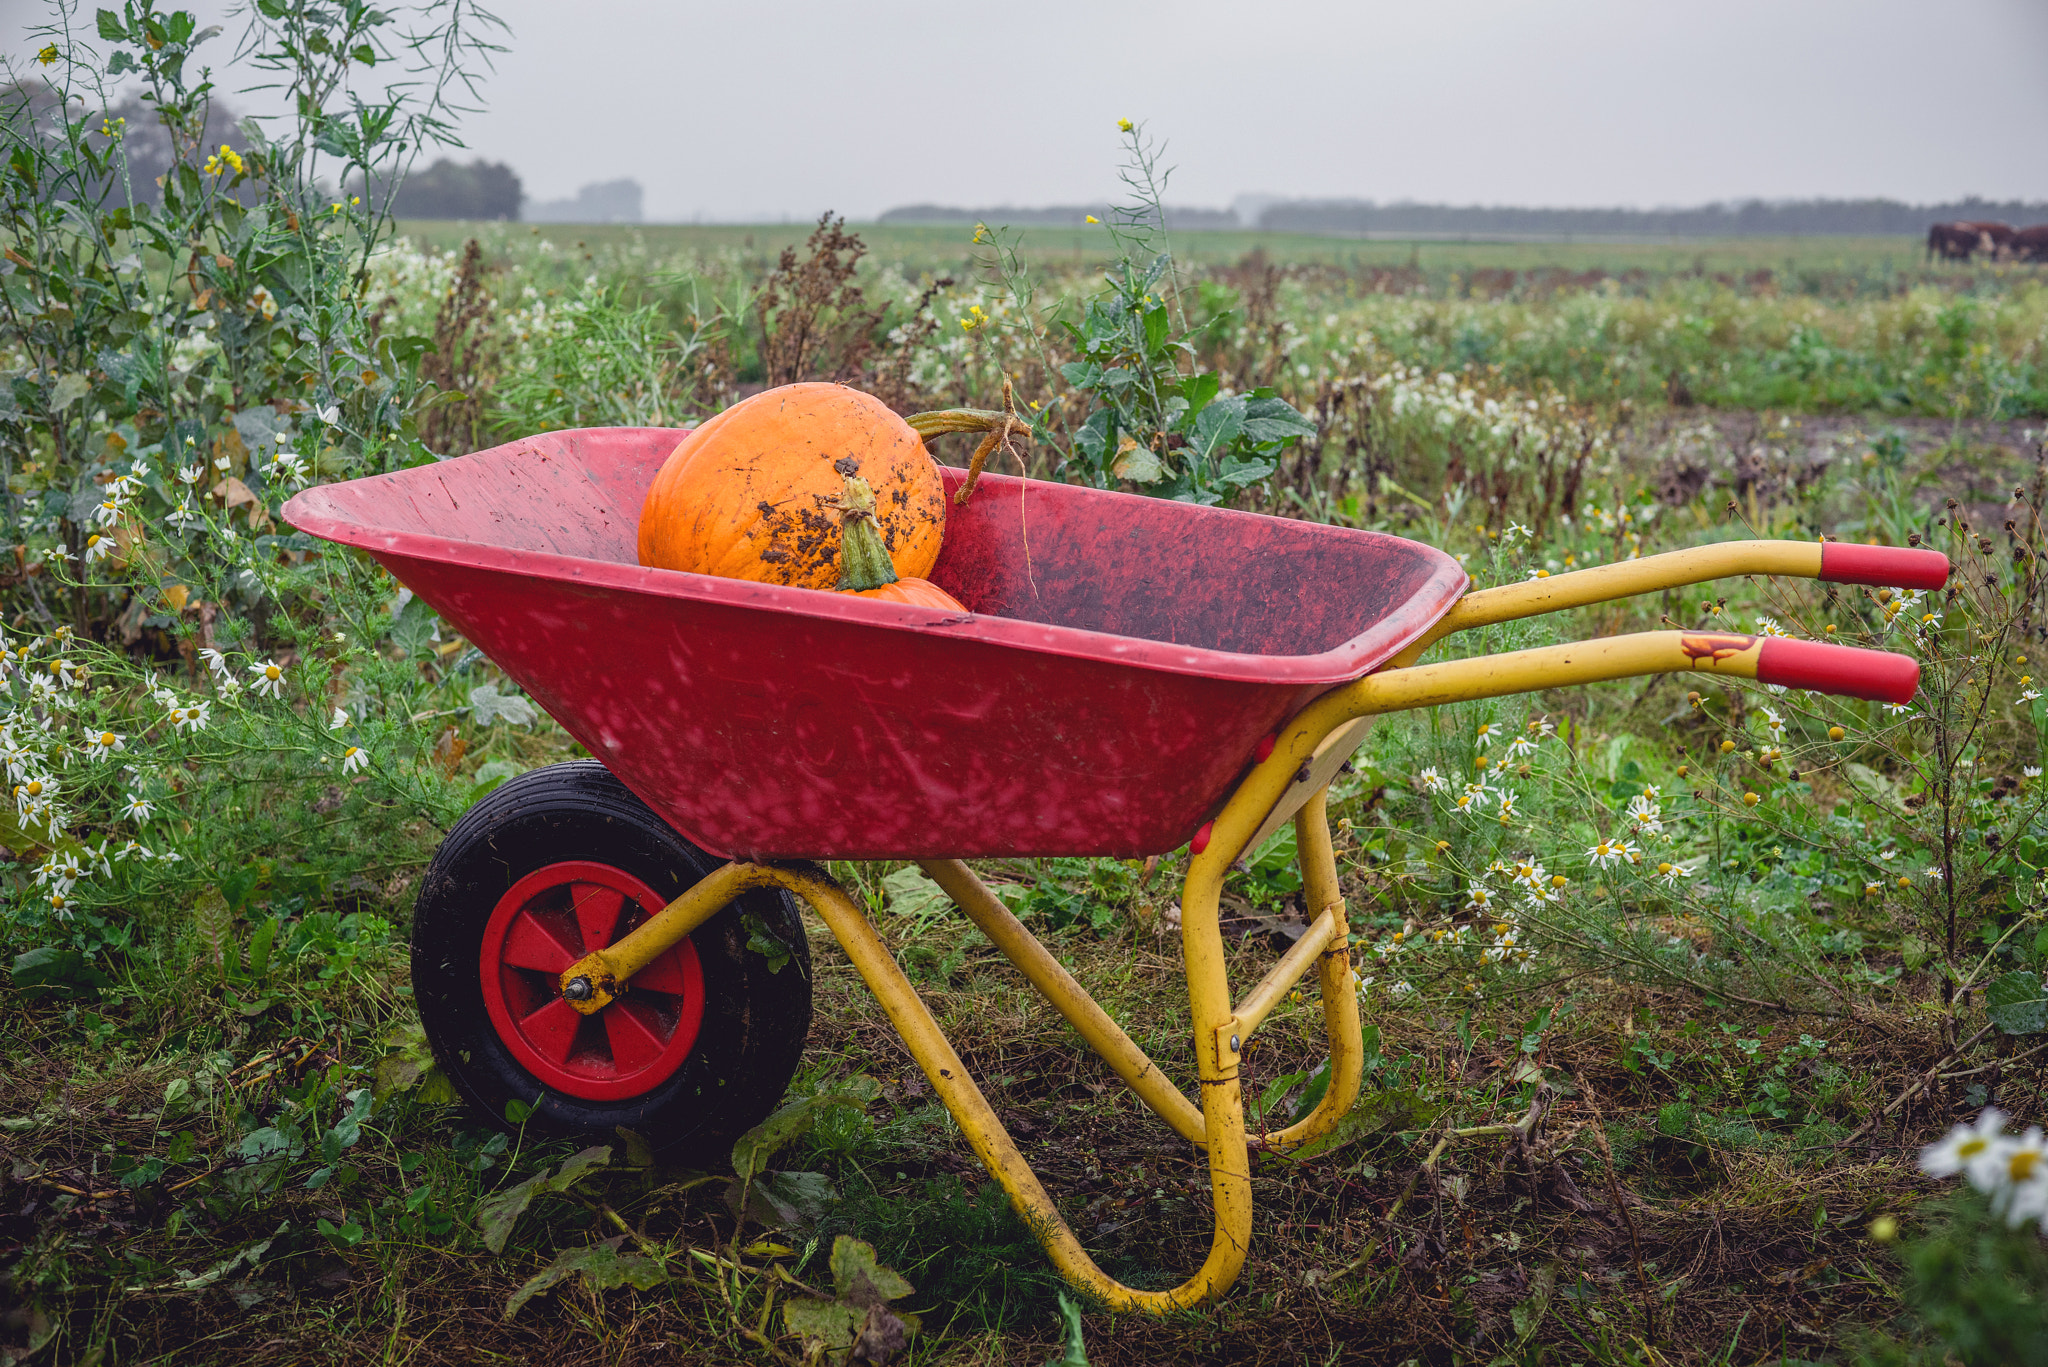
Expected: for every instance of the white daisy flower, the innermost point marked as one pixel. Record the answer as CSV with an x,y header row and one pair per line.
x,y
137,807
1606,853
269,678
338,720
354,758
216,663
100,744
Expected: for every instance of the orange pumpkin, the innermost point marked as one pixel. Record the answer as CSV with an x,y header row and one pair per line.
x,y
754,492
919,593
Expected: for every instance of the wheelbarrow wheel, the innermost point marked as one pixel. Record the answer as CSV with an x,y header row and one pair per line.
x,y
563,860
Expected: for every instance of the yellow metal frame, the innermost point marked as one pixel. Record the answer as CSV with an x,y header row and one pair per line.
x,y
1291,783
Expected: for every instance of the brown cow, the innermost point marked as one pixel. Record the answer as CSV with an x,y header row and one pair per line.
x,y
2029,244
1960,241
1950,242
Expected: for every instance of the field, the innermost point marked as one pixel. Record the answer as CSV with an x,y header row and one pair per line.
x,y
949,248
1666,982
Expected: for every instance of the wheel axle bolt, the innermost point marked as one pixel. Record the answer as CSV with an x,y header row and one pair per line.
x,y
1233,1044
578,990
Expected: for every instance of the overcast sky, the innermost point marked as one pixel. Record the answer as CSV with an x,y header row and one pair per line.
x,y
748,110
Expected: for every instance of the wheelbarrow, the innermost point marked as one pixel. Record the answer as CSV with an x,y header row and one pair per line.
x,y
618,943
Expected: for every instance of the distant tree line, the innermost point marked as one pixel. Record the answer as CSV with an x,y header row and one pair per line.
x,y
1059,216
450,189
1753,218
1357,217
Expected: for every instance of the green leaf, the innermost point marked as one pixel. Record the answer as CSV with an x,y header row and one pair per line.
x,y
858,1278
61,972
1075,1349
1198,390
1915,951
783,1200
1373,1113
487,705
754,1148
1218,426
1275,420
498,1212
2015,1003
259,947
1138,464
764,942
111,29
602,1268
580,1165
1527,1317
830,1322
914,895
1157,325
68,390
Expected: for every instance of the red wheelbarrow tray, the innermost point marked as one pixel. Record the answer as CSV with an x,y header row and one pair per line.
x,y
1121,658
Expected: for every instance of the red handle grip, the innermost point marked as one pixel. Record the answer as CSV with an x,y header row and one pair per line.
x,y
1893,567
1877,675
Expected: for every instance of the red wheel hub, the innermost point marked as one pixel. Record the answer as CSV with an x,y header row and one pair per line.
x,y
547,921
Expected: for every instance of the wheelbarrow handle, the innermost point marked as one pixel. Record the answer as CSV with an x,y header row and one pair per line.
x,y
1836,562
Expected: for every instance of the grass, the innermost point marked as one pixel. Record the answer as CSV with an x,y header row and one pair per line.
x,y
948,247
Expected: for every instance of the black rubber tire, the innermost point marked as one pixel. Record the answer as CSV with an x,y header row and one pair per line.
x,y
755,1021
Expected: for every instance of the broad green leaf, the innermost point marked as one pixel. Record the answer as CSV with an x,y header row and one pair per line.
x,y
1138,464
858,1278
68,390
579,1165
57,971
601,1266
1075,1349
784,1200
1527,1317
111,29
2015,1003
1199,390
1157,325
498,1212
1217,427
488,705
751,1153
1275,419
1373,1113
830,1322
914,895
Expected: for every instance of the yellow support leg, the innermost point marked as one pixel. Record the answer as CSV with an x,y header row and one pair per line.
x,y
1333,975
1045,973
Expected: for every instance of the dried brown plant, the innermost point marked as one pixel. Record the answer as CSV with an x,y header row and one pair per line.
x,y
816,323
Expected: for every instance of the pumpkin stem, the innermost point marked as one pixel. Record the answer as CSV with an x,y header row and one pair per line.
x,y
863,557
1000,424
